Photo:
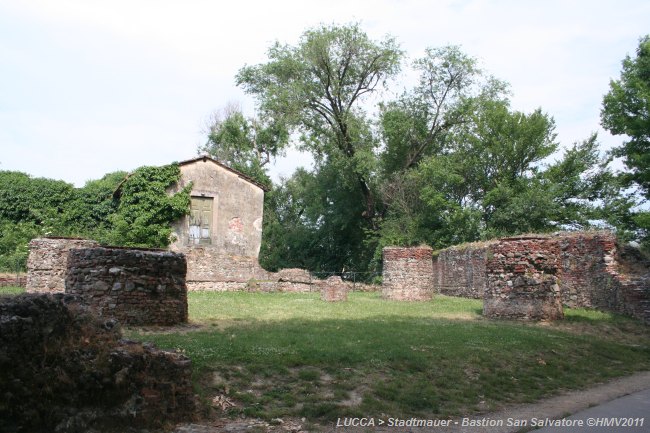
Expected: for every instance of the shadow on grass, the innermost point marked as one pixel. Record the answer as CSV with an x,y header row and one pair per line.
x,y
402,366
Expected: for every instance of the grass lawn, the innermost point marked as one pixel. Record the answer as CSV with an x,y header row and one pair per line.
x,y
11,290
293,355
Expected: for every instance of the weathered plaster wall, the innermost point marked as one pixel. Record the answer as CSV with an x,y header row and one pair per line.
x,y
522,280
47,262
136,287
408,274
237,208
460,271
64,370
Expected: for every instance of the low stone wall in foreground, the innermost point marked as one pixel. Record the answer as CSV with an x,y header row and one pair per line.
x,y
64,370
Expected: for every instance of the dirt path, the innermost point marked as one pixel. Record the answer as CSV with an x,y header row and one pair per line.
x,y
552,408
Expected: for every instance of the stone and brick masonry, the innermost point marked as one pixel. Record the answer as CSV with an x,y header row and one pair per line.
x,y
522,280
64,370
16,280
137,287
48,260
212,270
333,289
460,270
208,269
593,271
408,274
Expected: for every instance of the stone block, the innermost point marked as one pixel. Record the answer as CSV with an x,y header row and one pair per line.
x,y
333,289
66,370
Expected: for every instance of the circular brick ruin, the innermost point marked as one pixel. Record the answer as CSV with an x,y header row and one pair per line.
x,y
522,280
408,273
136,287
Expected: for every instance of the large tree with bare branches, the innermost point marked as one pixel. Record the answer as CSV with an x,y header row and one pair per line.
x,y
318,87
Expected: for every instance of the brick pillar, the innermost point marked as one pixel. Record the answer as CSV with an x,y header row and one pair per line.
x,y
408,273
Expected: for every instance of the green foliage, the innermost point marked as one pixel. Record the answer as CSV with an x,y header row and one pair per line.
x,y
94,205
317,87
626,111
31,207
446,162
485,180
247,145
43,202
14,238
145,210
313,222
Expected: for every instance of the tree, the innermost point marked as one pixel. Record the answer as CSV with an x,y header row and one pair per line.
x,y
245,144
94,205
626,111
490,179
44,202
418,123
318,87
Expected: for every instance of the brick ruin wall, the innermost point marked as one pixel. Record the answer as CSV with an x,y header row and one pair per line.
x,y
460,271
14,280
137,287
208,269
408,274
597,272
47,263
522,280
593,272
66,370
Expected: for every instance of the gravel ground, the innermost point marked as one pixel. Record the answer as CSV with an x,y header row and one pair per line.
x,y
552,408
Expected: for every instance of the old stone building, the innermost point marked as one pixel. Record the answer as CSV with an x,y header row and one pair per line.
x,y
226,209
222,235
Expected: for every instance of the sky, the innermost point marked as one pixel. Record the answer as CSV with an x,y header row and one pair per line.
x,y
89,87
